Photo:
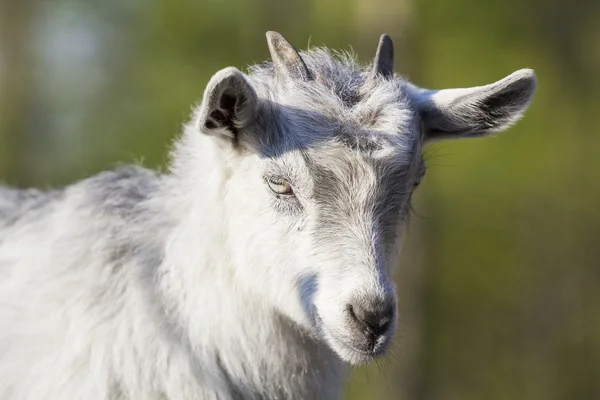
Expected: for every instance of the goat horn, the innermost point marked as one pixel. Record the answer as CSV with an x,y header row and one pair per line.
x,y
384,58
286,60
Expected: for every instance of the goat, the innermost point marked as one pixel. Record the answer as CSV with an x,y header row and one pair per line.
x,y
259,265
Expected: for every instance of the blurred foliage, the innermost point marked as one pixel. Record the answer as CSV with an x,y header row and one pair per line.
x,y
500,280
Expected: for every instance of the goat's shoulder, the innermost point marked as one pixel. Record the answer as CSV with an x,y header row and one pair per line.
x,y
70,268
101,212
88,231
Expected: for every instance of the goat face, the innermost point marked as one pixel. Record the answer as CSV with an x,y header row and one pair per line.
x,y
320,159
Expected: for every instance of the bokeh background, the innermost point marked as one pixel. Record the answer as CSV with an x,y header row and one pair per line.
x,y
499,286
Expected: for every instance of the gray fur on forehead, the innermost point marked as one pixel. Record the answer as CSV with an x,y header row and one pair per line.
x,y
343,102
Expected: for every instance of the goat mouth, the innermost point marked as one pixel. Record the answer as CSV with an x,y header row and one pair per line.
x,y
358,353
349,352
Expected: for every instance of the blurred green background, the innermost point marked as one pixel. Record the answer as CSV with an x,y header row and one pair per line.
x,y
499,287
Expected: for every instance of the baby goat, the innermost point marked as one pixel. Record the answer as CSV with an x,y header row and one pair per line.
x,y
259,266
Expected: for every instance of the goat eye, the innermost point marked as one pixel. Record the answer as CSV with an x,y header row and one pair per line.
x,y
279,186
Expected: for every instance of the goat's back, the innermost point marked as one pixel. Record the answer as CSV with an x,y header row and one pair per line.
x,y
15,202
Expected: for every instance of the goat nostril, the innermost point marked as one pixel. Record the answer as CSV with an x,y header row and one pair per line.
x,y
374,322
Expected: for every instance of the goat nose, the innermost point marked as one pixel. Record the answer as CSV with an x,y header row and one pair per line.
x,y
374,319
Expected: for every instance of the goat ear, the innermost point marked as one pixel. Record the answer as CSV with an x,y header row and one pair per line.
x,y
229,104
477,111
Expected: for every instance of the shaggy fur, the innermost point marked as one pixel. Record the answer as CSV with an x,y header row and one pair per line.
x,y
209,282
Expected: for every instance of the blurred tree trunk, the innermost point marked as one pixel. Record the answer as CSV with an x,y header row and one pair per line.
x,y
16,18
